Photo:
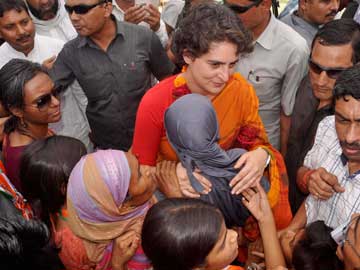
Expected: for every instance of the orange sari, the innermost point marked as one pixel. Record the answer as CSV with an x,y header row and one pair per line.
x,y
240,126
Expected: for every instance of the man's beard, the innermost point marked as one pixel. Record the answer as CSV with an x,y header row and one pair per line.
x,y
40,15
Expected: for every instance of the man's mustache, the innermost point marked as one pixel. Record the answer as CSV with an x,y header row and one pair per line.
x,y
353,146
332,13
23,37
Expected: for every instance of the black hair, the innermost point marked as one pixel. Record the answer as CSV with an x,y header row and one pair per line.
x,y
207,23
7,5
317,250
179,233
23,245
348,83
340,32
13,77
45,168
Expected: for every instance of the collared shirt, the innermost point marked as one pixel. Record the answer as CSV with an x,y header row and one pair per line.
x,y
114,80
305,29
304,123
171,12
161,32
73,121
327,153
275,68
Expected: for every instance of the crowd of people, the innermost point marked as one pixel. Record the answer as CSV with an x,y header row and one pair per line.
x,y
205,136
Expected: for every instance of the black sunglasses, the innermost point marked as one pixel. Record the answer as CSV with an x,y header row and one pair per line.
x,y
44,101
242,9
332,73
82,9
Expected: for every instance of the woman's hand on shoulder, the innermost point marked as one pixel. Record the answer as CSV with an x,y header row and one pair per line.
x,y
252,165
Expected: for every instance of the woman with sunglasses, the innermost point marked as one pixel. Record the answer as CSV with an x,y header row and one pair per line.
x,y
30,97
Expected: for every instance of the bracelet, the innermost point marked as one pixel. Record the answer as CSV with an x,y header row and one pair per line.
x,y
268,158
303,183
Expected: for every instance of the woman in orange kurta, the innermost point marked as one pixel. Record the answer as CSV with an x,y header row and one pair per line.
x,y
210,48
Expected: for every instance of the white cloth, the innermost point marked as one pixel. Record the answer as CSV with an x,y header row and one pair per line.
x,y
73,121
327,153
275,68
171,12
161,32
59,27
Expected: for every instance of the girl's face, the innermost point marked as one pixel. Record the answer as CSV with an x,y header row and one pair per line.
x,y
41,103
141,187
225,250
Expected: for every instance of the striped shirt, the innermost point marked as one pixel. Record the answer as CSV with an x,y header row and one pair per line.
x,y
327,153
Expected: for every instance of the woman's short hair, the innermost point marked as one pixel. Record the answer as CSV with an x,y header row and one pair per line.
x,y
13,77
317,250
45,169
207,23
179,233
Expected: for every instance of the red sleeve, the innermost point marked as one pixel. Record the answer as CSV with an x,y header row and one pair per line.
x,y
149,125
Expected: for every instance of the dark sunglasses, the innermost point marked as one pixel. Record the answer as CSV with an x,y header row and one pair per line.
x,y
43,102
332,73
242,9
82,9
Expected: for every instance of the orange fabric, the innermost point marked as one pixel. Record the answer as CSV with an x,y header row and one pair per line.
x,y
240,126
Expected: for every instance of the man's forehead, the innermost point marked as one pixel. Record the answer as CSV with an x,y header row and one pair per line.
x,y
81,2
332,55
13,15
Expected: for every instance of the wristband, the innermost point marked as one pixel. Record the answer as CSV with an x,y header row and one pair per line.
x,y
303,183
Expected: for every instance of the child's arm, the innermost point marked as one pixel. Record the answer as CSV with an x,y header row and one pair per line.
x,y
256,201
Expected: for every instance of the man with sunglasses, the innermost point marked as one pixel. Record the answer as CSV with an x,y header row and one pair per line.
x,y
335,158
18,30
310,15
335,48
113,62
275,67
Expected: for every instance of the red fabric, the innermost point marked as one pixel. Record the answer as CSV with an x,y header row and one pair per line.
x,y
12,156
153,105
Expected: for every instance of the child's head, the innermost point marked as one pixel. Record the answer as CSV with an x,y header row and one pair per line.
x,y
183,234
45,169
312,248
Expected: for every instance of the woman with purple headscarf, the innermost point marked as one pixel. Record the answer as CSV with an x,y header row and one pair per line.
x,y
107,200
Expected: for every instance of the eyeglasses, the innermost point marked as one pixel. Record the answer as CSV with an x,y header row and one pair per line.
x,y
332,73
82,9
43,102
242,9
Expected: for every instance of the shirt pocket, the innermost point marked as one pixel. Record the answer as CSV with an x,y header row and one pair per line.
x,y
135,77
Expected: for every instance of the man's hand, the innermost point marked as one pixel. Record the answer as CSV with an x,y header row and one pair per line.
x,y
322,184
252,166
166,179
135,14
153,18
48,63
185,186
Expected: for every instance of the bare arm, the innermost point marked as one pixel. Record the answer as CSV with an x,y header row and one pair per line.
x,y
299,220
285,122
257,203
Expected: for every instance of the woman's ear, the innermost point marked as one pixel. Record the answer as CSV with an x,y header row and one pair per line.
x,y
17,112
188,57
